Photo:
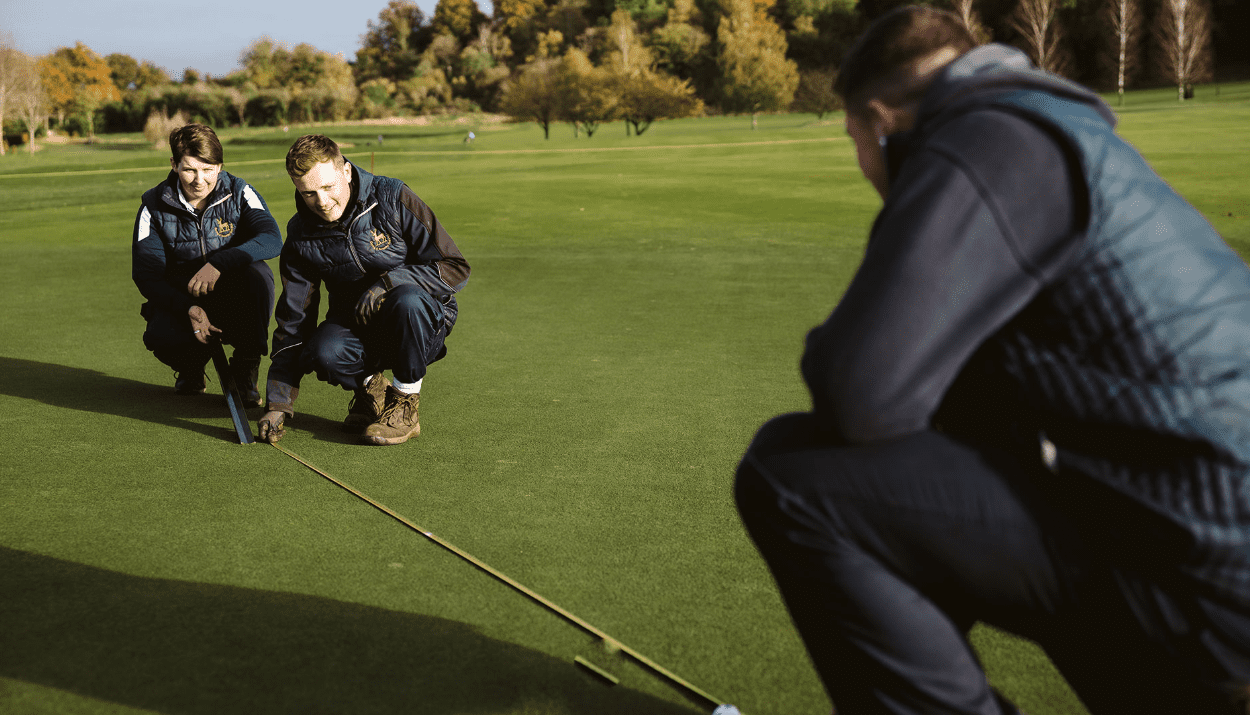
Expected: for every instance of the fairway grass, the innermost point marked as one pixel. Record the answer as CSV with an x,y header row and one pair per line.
x,y
636,310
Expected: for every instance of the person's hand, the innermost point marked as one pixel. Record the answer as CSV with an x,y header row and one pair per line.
x,y
269,428
370,303
200,327
203,281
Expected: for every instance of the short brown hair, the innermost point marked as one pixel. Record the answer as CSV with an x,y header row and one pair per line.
x,y
879,64
197,141
309,151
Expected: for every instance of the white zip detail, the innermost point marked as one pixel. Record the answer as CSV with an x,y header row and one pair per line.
x,y
296,345
351,248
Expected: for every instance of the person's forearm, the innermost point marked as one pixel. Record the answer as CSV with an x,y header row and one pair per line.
x,y
263,242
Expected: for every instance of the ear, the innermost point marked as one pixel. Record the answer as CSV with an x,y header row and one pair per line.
x,y
173,163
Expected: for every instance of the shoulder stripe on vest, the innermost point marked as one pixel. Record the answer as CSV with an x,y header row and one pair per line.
x,y
145,225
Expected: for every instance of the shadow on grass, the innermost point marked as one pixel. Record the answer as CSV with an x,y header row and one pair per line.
x,y
76,388
195,648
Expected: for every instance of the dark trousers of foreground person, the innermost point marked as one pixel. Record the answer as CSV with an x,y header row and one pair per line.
x,y
240,304
886,554
406,336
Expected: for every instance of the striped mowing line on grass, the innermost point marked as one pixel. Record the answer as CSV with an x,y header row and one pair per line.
x,y
687,687
469,152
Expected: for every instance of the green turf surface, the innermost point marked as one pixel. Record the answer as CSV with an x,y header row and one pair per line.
x,y
634,314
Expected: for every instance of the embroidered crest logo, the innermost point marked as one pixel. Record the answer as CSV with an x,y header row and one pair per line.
x,y
379,240
224,229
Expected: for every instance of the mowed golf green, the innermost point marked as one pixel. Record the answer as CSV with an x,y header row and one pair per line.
x,y
636,310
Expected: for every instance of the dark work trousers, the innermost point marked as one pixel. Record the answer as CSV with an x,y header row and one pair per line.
x,y
887,554
240,304
406,336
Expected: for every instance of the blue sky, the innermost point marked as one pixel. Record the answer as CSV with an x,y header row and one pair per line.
x,y
208,36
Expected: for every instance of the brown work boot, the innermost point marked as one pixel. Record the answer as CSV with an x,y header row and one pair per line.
x,y
246,373
397,422
366,404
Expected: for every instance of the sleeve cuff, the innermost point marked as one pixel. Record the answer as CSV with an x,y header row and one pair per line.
x,y
281,397
229,258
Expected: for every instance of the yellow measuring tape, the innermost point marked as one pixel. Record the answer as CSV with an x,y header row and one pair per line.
x,y
611,643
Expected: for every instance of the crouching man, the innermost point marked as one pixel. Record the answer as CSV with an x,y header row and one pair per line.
x,y
390,272
1030,408
200,241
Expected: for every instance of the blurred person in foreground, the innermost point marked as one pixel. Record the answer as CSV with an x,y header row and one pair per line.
x,y
200,241
391,273
1031,407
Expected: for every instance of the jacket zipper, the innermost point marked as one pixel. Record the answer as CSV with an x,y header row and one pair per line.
x,y
350,247
203,243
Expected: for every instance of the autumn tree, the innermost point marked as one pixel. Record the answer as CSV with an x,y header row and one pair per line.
x,y
458,18
124,70
1038,24
681,46
12,64
238,101
30,97
755,74
588,95
649,96
150,75
261,63
520,21
1183,34
818,32
78,81
317,84
534,94
1123,17
517,14
483,64
393,44
815,92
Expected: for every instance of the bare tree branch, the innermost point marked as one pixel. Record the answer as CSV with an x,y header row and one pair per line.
x,y
31,100
972,21
1124,18
1037,23
1184,36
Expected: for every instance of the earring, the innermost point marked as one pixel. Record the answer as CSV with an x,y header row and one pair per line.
x,y
881,141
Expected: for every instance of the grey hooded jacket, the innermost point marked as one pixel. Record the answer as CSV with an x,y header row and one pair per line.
x,y
1031,279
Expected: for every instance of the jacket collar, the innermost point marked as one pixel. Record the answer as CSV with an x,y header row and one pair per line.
x,y
171,192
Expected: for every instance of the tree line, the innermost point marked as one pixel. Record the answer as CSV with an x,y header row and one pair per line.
x,y
591,61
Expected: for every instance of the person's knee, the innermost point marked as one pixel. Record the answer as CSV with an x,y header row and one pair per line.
x,y
251,282
165,333
413,303
331,352
751,490
327,354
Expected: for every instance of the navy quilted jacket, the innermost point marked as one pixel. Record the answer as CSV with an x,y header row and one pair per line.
x,y
171,242
1031,278
386,229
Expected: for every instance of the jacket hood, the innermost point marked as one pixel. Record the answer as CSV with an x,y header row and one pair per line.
x,y
994,69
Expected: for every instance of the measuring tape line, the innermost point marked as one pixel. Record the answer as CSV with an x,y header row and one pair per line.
x,y
608,640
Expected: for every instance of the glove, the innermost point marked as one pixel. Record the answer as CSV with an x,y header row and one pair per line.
x,y
269,428
371,300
